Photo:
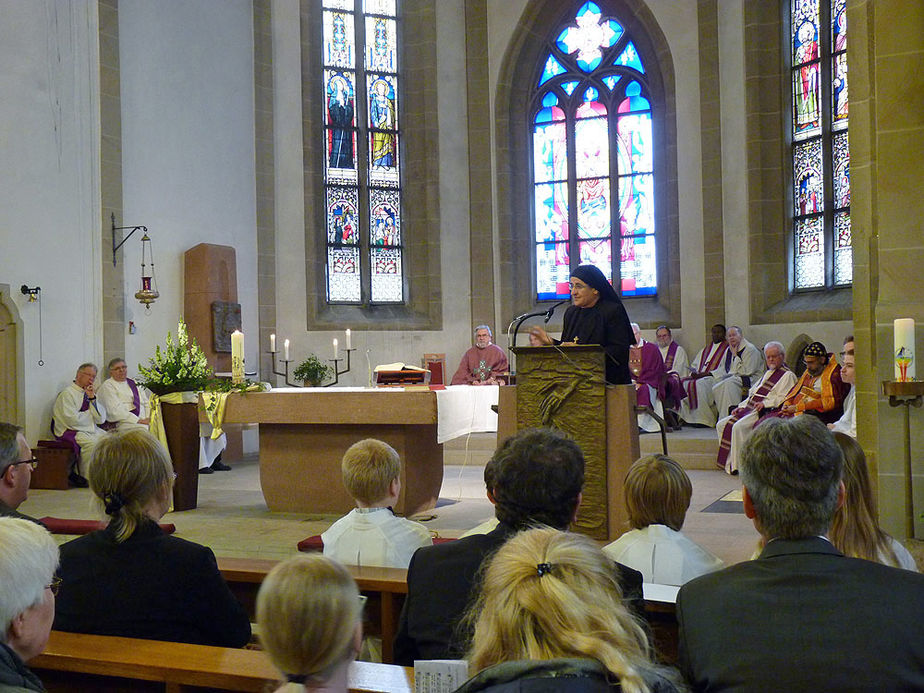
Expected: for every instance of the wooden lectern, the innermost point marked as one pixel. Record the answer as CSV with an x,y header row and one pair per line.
x,y
563,387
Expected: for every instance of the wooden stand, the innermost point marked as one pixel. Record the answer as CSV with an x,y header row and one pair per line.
x,y
54,464
564,387
181,425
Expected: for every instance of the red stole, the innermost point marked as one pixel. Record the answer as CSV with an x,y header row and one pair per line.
x,y
669,359
705,367
741,412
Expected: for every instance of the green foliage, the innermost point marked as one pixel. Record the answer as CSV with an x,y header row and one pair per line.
x,y
312,371
181,367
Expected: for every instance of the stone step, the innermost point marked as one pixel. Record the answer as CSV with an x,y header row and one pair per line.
x,y
693,448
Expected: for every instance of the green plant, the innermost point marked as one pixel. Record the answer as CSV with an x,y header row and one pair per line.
x,y
312,371
180,367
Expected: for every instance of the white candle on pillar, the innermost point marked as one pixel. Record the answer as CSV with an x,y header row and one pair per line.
x,y
272,344
237,356
285,346
903,351
349,341
335,349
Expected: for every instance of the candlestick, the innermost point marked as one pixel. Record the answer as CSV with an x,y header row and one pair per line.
x,y
349,342
904,349
336,355
285,347
272,344
237,356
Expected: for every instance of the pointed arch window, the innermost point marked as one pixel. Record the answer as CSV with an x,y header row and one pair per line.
x,y
817,45
362,173
592,159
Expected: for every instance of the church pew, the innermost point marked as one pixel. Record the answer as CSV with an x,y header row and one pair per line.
x,y
107,664
385,587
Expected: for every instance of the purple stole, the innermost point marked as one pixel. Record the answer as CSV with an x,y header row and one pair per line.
x,y
673,385
741,412
669,359
70,436
708,367
136,398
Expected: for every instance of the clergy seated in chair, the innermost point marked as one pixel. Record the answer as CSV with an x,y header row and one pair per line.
x,y
126,403
820,391
647,370
371,534
483,364
711,363
76,417
747,365
767,393
676,365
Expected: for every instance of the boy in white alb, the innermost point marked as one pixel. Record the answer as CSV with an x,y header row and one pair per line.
x,y
371,534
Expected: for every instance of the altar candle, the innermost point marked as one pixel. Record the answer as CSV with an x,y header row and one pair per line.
x,y
349,340
237,356
285,346
272,344
335,349
904,349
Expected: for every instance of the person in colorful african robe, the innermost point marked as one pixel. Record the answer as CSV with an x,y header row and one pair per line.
x,y
820,391
483,364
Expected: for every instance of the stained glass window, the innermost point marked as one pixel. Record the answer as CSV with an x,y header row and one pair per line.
x,y
362,153
592,144
820,153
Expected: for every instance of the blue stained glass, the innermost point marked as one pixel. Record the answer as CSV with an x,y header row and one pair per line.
x,y
633,143
634,89
636,209
551,212
611,81
550,99
599,254
552,68
593,208
630,58
590,35
553,270
569,87
549,115
550,152
591,94
638,267
591,148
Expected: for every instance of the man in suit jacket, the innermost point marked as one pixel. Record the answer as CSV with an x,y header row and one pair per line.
x,y
802,616
535,477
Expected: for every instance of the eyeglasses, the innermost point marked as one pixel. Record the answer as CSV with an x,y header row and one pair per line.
x,y
54,586
32,463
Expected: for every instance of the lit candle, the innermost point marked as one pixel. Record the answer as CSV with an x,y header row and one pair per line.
x,y
335,349
349,341
904,349
237,356
285,346
272,344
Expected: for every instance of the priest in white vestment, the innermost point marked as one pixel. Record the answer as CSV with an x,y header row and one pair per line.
x,y
767,393
78,411
747,365
712,362
125,401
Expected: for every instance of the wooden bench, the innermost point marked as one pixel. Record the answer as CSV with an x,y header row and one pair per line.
x,y
54,464
107,664
386,589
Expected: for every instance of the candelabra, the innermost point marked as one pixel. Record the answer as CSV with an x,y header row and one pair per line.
x,y
336,362
337,371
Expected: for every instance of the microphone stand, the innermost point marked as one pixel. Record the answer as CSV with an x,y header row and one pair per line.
x,y
519,320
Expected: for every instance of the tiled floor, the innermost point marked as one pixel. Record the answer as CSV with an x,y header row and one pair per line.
x,y
233,519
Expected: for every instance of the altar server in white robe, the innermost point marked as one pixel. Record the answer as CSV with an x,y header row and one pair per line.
x,y
126,402
78,411
747,365
767,393
712,362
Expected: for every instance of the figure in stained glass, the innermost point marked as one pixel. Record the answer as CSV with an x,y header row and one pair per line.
x,y
382,115
340,119
339,43
380,36
840,88
384,225
840,26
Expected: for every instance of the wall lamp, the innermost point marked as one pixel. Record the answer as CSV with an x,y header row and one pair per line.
x,y
148,293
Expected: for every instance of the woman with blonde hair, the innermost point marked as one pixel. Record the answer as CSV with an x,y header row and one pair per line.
x,y
131,578
310,616
854,530
550,607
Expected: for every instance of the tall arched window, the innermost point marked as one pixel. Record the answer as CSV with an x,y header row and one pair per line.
x,y
592,159
820,155
361,153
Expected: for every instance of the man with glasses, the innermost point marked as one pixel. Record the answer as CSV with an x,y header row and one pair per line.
x,y
820,391
16,465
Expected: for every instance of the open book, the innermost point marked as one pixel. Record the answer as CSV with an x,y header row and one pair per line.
x,y
397,367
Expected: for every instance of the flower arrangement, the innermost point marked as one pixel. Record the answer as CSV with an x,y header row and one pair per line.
x,y
312,371
180,367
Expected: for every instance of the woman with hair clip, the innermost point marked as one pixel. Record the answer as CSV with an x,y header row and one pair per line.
x,y
310,616
132,579
550,608
854,530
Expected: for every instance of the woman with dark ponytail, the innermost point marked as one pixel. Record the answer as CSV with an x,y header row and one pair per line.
x,y
132,579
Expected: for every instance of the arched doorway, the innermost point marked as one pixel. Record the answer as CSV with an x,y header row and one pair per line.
x,y
9,358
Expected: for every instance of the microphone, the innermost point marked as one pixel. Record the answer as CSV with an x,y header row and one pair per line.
x,y
550,311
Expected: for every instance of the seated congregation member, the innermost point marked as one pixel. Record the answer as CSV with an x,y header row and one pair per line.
x,y
767,393
132,579
676,365
819,391
550,616
712,361
802,616
28,558
371,534
16,465
126,403
747,365
76,417
536,478
648,374
310,617
855,530
657,492
483,364
848,421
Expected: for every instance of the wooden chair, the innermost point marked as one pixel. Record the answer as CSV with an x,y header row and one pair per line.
x,y
436,364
